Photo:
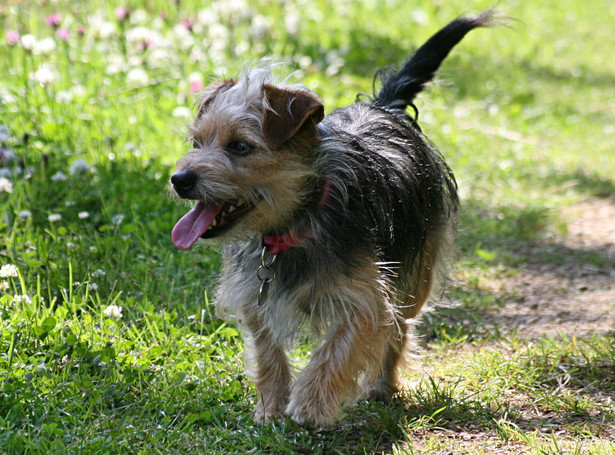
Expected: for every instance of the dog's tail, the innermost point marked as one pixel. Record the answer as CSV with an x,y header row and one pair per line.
x,y
399,89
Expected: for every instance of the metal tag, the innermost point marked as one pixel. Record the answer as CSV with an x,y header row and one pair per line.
x,y
266,274
264,290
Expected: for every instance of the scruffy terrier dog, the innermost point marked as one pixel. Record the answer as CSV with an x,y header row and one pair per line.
x,y
342,221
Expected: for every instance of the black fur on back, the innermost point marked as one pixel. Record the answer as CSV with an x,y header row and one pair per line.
x,y
391,190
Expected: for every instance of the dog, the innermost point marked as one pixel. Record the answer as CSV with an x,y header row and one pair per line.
x,y
341,223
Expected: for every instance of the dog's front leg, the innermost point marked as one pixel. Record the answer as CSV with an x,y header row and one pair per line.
x,y
269,369
331,376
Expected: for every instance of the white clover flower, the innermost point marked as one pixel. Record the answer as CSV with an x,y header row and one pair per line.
x,y
218,33
161,58
22,299
58,177
24,214
8,271
5,185
116,63
8,155
182,112
28,42
79,167
113,311
138,16
4,285
138,34
419,16
197,55
106,30
78,90
7,97
45,46
195,77
292,22
98,273
182,36
260,25
53,217
83,215
304,61
137,77
64,96
44,75
94,287
241,48
206,17
117,219
5,133
70,245
143,38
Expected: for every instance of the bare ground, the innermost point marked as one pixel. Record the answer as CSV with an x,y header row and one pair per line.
x,y
573,293
566,288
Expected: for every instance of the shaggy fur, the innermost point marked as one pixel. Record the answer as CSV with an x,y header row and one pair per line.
x,y
361,210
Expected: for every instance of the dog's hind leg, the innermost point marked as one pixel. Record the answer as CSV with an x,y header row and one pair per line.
x,y
415,290
385,385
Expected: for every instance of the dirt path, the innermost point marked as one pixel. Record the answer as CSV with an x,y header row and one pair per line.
x,y
573,292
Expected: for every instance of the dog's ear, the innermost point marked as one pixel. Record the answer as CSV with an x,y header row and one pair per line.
x,y
210,93
288,112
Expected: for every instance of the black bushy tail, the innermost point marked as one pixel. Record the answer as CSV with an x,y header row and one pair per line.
x,y
399,89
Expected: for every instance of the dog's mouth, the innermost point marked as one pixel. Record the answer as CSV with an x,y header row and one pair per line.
x,y
207,221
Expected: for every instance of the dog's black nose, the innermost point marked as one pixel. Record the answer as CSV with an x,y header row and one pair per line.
x,y
184,182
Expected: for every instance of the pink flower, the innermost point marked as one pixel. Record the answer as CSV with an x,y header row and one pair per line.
x,y
146,44
53,20
188,24
81,30
196,86
12,37
63,34
121,14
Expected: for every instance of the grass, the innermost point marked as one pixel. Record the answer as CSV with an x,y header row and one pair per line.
x,y
108,341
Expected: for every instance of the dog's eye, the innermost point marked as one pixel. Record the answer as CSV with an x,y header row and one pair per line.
x,y
194,141
240,147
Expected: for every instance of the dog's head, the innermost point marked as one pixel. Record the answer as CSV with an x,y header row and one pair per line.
x,y
250,157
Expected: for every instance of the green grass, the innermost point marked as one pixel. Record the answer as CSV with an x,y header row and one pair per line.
x,y
524,114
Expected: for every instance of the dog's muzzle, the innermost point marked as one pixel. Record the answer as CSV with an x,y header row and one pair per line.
x,y
184,182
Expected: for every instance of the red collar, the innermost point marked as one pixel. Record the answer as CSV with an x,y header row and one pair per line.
x,y
281,243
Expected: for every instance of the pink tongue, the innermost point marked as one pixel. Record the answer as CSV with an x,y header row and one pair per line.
x,y
193,225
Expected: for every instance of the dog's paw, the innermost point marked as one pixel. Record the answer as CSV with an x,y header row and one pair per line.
x,y
265,416
378,391
312,410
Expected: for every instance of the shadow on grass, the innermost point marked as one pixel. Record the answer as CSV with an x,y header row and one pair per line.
x,y
376,427
589,184
507,240
584,78
436,407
